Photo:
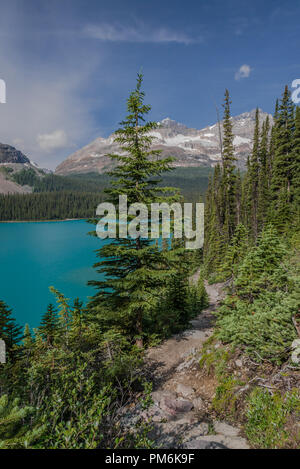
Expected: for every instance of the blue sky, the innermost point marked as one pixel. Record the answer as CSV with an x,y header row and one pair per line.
x,y
70,64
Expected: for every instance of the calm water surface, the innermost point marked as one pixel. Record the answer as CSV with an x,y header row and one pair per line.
x,y
34,256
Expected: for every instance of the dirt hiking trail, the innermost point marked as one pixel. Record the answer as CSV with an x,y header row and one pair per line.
x,y
179,413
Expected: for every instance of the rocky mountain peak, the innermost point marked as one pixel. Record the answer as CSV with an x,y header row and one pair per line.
x,y
189,147
168,122
9,154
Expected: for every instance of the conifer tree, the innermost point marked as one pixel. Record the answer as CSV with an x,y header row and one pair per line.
x,y
214,242
236,251
27,337
77,323
135,269
254,170
15,430
246,200
262,267
223,201
239,192
296,161
263,185
64,314
229,176
282,174
5,316
177,287
28,345
49,325
10,332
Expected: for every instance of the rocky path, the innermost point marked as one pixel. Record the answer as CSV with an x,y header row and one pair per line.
x,y
179,413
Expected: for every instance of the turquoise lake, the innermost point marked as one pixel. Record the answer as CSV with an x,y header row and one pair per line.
x,y
34,256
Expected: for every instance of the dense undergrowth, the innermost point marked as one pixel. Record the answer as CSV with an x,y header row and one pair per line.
x,y
262,299
250,354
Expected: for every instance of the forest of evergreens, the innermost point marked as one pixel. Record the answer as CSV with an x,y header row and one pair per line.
x,y
49,206
253,232
62,197
66,383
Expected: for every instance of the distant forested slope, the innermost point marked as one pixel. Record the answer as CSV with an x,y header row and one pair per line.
x,y
59,197
49,206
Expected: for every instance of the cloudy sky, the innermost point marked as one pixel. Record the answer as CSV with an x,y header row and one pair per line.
x,y
70,64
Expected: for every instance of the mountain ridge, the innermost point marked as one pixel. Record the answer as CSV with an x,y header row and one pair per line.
x,y
13,161
191,147
9,154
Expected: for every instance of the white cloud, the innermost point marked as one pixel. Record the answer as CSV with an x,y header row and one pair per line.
x,y
119,33
53,141
46,116
243,72
48,109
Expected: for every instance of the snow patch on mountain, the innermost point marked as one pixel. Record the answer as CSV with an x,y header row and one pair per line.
x,y
189,147
240,140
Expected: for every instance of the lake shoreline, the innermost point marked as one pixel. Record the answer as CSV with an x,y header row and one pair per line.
x,y
35,256
43,221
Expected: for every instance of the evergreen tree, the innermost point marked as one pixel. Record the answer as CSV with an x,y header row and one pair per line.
x,y
214,241
223,201
134,268
49,325
239,195
77,323
296,161
5,317
10,332
64,314
15,429
262,267
246,199
282,173
28,346
236,251
254,170
178,290
27,337
263,185
229,176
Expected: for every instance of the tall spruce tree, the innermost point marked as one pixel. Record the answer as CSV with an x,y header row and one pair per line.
x,y
296,162
254,171
49,325
214,242
10,332
135,269
282,173
236,252
5,316
263,184
223,201
229,175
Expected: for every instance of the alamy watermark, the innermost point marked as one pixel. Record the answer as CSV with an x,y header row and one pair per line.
x,y
296,92
2,92
163,222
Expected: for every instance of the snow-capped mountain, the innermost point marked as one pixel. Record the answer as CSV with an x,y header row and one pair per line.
x,y
190,147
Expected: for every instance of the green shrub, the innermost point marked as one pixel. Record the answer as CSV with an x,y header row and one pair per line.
x,y
258,314
225,398
16,429
264,327
267,416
